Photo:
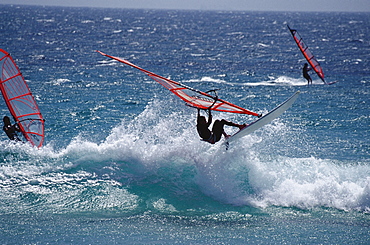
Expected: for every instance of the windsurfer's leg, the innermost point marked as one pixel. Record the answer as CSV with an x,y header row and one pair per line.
x,y
308,78
218,130
228,123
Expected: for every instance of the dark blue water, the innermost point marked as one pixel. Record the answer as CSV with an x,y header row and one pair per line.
x,y
122,162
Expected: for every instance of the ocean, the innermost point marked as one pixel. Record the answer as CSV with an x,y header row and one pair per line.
x,y
122,162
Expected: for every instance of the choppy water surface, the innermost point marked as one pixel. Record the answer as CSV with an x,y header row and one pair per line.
x,y
122,162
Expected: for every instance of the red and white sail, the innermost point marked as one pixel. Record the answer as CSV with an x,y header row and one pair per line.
x,y
20,101
192,97
307,54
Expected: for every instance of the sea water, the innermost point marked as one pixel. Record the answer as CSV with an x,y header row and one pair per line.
x,y
122,162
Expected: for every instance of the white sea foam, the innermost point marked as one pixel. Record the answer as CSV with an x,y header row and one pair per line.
x,y
310,182
252,172
273,81
247,174
282,81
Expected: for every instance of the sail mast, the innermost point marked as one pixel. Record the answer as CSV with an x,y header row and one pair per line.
x,y
19,100
191,96
307,54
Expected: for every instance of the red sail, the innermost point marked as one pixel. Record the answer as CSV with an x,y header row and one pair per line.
x,y
20,101
192,97
307,54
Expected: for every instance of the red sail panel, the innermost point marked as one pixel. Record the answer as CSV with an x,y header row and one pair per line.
x,y
191,96
307,54
20,101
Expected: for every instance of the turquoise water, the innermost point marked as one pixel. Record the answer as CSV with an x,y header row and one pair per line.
x,y
122,162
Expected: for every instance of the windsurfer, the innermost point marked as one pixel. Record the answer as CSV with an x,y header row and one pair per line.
x,y
305,73
217,129
11,130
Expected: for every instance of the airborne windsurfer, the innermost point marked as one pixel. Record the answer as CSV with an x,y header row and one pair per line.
x,y
305,73
217,129
11,130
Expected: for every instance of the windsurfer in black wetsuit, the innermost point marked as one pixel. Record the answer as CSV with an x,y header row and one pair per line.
x,y
305,73
217,129
11,130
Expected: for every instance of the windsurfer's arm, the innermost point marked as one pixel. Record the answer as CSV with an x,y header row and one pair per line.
x,y
209,117
198,117
16,127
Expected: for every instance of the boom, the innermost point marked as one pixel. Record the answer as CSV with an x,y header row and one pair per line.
x,y
191,96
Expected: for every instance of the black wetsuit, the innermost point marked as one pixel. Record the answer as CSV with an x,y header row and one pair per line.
x,y
11,131
305,73
202,127
217,129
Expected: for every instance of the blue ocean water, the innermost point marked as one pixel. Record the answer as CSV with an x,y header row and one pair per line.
x,y
122,162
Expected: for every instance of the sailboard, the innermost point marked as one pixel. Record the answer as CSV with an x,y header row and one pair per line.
x,y
311,59
20,102
192,97
263,120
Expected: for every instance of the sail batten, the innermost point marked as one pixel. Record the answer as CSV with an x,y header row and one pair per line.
x,y
311,59
191,96
19,100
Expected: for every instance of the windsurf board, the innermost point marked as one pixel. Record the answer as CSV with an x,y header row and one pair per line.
x,y
264,119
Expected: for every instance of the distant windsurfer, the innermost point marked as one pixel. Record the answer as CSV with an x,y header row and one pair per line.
x,y
11,130
305,73
217,129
